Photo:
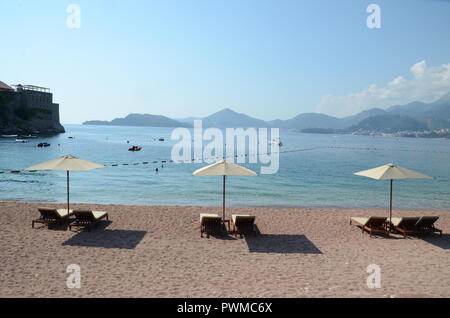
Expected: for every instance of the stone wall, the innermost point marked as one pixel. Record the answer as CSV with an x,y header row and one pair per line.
x,y
28,112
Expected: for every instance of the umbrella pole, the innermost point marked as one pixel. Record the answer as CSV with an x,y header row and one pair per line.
x,y
68,205
223,211
390,203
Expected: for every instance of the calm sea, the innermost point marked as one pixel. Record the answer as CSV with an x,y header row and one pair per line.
x,y
315,170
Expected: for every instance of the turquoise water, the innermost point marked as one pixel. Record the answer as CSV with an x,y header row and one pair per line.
x,y
320,177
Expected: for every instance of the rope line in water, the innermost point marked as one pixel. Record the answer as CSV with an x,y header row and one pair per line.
x,y
248,155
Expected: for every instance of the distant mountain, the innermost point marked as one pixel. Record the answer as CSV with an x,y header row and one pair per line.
x,y
412,116
435,115
408,109
309,120
140,120
356,119
389,123
188,120
229,118
439,109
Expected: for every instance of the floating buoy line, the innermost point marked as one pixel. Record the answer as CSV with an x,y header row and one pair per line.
x,y
211,159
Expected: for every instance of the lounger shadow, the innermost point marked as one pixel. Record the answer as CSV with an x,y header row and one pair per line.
x,y
281,244
442,241
120,239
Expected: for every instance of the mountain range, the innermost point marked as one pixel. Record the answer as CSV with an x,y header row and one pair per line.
x,y
139,120
416,116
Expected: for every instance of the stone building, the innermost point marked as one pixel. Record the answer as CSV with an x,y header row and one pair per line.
x,y
28,108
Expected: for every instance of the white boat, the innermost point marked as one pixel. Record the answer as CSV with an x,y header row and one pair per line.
x,y
22,141
9,136
276,142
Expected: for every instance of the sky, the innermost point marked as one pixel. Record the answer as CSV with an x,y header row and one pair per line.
x,y
190,58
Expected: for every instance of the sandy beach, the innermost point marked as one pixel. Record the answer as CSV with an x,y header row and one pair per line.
x,y
156,251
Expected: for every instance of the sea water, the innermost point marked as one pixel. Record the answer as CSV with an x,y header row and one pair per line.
x,y
316,170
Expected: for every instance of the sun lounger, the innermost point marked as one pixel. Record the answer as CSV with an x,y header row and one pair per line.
x,y
426,225
373,224
243,224
87,218
405,225
50,216
210,224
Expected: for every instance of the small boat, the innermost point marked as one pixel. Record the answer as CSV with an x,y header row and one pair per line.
x,y
161,139
135,148
276,142
21,141
28,136
9,136
43,144
71,137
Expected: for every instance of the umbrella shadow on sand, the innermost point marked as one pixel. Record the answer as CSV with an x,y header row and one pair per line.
x,y
101,237
281,244
439,241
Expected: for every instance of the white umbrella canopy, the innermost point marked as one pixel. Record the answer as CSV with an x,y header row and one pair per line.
x,y
67,163
391,172
224,168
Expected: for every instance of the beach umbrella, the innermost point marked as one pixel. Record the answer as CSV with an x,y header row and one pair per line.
x,y
224,168
391,172
67,163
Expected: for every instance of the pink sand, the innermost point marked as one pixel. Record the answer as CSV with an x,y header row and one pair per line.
x,y
157,252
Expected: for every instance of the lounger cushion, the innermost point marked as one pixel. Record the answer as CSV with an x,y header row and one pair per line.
x,y
361,221
63,212
241,216
98,214
395,221
206,215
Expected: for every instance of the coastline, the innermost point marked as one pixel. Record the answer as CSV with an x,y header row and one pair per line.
x,y
231,206
156,251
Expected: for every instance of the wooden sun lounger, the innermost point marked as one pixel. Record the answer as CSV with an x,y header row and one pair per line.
x,y
405,225
373,224
210,224
243,224
50,216
415,225
426,225
87,218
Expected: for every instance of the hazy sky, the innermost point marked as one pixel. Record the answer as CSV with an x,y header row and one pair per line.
x,y
269,59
